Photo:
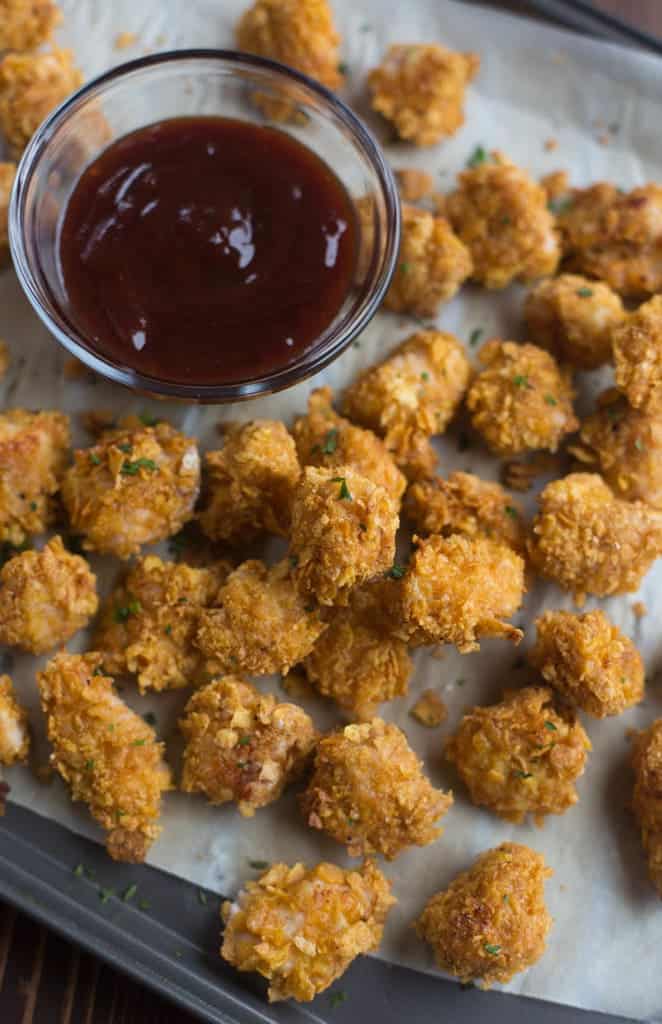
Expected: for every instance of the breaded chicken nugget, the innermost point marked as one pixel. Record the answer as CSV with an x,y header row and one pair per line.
x,y
7,174
420,89
412,395
647,797
241,745
45,597
589,661
414,184
249,483
465,504
106,753
301,928
26,24
491,922
14,730
134,487
590,542
149,623
456,590
33,456
259,623
522,400
637,345
501,215
323,438
573,318
432,264
31,86
369,792
521,756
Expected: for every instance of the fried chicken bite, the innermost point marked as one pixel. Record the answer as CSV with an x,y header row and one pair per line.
x,y
637,345
412,395
133,487
588,661
301,928
33,455
343,533
26,24
259,623
521,400
14,729
243,746
250,482
491,922
521,756
573,318
323,438
105,752
590,542
501,215
31,86
420,89
647,796
7,175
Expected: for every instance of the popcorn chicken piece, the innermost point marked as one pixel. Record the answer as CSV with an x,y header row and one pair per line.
x,y
420,89
31,86
105,752
573,318
133,487
149,623
491,922
637,345
14,728
429,710
33,455
7,175
432,265
260,624
250,483
501,215
647,796
588,661
301,928
413,184
412,395
26,24
522,400
456,590
241,745
521,756
590,542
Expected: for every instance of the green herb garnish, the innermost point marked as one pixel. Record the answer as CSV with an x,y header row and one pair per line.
x,y
512,512
475,335
520,380
129,893
79,871
94,459
89,765
551,726
105,894
396,572
259,865
330,442
478,157
337,998
404,268
344,494
294,561
139,743
522,775
244,741
126,447
493,950
148,420
551,400
150,717
202,897
584,293
133,468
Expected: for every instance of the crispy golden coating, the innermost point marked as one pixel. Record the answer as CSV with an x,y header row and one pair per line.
x,y
432,264
259,623
573,318
343,533
106,753
413,184
637,345
133,487
647,796
148,624
457,589
465,504
31,85
429,710
590,542
491,922
301,928
501,215
249,483
589,661
323,438
521,400
26,24
420,89
412,395
33,456
45,597
615,236
521,756
369,792
14,729
7,174
243,746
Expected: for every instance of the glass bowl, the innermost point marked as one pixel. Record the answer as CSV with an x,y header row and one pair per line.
x,y
190,83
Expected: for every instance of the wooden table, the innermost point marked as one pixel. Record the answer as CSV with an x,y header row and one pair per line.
x,y
46,980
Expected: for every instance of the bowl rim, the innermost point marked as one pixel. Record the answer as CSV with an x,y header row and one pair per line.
x,y
309,363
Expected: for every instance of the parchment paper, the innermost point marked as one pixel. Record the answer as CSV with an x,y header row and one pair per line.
x,y
535,83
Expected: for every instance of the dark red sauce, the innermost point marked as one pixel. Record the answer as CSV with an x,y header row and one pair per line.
x,y
205,250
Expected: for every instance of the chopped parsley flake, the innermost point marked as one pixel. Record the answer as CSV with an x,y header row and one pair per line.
x,y
98,671
639,445
139,743
337,998
425,375
79,871
560,204
512,512
202,897
132,607
396,572
148,420
168,630
584,293
344,493
129,893
244,741
520,380
550,726
150,717
343,68
478,157
94,459
493,950
133,468
259,865
551,400
33,506
330,442
475,335
522,775
506,898
126,448
89,765
144,904
404,268
294,561
105,894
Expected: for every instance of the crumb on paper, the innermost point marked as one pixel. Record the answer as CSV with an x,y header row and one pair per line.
x,y
75,370
296,685
95,421
5,358
414,184
604,139
429,709
125,39
550,145
639,609
520,475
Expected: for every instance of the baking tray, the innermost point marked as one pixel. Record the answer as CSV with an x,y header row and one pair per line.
x,y
167,933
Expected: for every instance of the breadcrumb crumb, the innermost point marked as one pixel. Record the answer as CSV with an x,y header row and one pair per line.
x,y
429,709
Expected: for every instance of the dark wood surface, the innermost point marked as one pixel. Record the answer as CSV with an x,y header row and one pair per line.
x,y
46,980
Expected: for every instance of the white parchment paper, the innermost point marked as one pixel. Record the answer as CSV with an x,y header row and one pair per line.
x,y
535,83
